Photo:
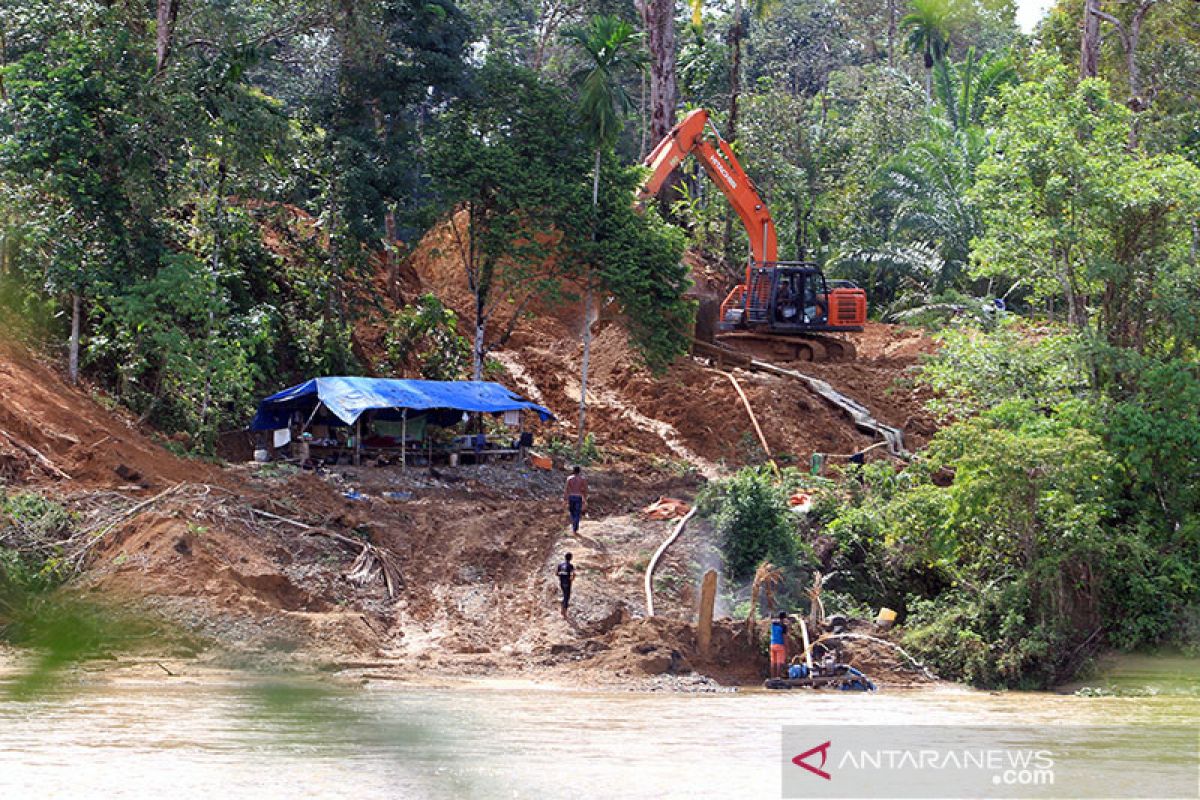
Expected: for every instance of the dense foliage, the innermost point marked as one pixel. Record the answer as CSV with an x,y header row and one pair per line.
x,y
1051,518
754,524
1048,521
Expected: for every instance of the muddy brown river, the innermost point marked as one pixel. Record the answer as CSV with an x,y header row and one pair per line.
x,y
211,736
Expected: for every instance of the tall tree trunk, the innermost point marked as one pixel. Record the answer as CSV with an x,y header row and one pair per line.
x,y
1129,42
477,348
1077,315
73,347
659,18
891,33
215,273
392,260
1136,101
644,116
735,85
735,72
164,33
587,322
1089,45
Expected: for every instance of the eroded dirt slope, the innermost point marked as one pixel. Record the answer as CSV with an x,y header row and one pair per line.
x,y
258,559
692,412
53,432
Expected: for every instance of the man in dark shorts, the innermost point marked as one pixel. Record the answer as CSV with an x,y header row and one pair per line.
x,y
566,576
576,496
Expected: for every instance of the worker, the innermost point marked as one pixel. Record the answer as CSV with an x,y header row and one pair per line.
x,y
785,303
576,494
566,576
779,629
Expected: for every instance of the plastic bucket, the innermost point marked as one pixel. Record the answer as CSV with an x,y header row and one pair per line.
x,y
886,617
261,455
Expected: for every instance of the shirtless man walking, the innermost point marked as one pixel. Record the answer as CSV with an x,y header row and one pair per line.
x,y
576,494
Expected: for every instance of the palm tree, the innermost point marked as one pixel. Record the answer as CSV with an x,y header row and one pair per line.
x,y
962,90
611,48
927,24
923,192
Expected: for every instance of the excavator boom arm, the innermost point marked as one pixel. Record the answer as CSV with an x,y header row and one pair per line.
x,y
723,167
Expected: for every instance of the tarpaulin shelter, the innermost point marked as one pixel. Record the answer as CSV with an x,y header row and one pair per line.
x,y
348,398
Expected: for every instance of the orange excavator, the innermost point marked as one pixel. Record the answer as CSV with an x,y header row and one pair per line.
x,y
783,309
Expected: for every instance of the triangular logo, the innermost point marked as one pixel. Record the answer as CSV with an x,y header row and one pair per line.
x,y
823,749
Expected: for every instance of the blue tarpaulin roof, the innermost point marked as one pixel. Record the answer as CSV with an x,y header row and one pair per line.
x,y
348,398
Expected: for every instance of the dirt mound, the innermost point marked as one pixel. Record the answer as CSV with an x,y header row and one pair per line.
x,y
691,413
51,431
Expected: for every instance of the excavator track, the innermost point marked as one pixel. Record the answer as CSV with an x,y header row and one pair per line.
x,y
778,349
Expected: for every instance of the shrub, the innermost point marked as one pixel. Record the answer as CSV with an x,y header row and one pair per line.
x,y
31,528
754,523
424,338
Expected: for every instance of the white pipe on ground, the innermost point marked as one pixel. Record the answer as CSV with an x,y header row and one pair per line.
x,y
662,548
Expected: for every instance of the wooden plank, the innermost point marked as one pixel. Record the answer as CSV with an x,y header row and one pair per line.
x,y
708,598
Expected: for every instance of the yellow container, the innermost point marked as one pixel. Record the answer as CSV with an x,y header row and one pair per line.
x,y
886,616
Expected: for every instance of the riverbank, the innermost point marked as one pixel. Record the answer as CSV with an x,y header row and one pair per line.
x,y
414,572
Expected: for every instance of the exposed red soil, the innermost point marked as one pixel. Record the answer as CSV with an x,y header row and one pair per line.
x,y
698,407
91,445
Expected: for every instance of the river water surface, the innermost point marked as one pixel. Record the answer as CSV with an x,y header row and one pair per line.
x,y
217,736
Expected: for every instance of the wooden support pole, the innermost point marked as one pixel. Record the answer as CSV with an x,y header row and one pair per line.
x,y
358,441
404,438
708,600
807,646
311,417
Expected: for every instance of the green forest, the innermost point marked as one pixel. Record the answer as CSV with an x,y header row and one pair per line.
x,y
1033,198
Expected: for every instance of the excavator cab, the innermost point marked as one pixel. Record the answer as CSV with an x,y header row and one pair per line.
x,y
790,297
800,300
784,307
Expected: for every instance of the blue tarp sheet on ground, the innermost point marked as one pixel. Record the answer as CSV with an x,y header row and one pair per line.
x,y
348,398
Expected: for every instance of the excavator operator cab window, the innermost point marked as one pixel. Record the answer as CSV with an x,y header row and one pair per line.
x,y
814,310
798,299
789,298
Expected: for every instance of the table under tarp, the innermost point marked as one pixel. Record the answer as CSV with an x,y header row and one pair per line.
x,y
348,398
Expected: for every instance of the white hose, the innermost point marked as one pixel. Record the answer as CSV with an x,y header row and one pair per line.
x,y
654,561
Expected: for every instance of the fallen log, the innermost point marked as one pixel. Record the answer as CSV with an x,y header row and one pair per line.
x,y
37,455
